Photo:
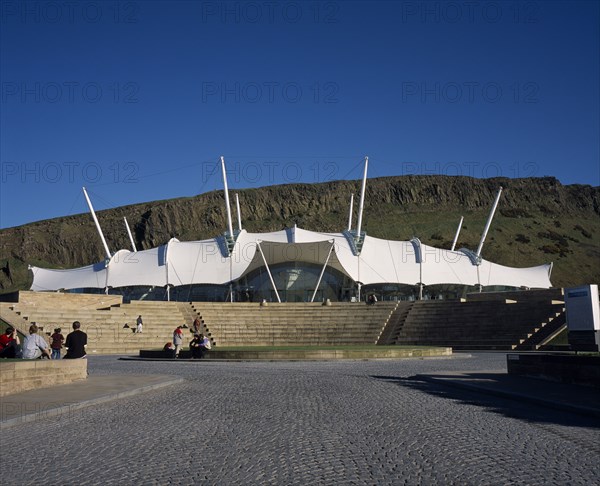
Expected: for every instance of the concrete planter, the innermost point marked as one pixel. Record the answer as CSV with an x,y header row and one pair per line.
x,y
24,375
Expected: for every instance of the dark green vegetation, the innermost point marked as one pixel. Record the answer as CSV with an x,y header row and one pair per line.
x,y
538,221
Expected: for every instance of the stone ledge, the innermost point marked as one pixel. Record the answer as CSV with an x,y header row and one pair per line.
x,y
310,354
67,401
20,376
564,368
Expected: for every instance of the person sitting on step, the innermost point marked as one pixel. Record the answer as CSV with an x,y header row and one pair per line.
x,y
199,345
35,346
76,343
9,343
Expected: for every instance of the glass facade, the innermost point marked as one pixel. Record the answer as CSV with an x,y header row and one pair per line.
x,y
295,282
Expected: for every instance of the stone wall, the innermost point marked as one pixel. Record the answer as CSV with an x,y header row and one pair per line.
x,y
19,376
578,370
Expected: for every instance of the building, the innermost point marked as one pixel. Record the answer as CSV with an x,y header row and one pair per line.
x,y
292,265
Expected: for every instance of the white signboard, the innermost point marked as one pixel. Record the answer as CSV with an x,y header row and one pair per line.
x,y
583,309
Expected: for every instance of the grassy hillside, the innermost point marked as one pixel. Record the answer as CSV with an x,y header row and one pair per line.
x,y
538,221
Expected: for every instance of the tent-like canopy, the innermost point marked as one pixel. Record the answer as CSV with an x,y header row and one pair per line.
x,y
210,262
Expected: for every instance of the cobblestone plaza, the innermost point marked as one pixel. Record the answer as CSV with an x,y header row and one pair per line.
x,y
352,422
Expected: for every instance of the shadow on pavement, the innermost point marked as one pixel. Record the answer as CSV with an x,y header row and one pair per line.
x,y
516,407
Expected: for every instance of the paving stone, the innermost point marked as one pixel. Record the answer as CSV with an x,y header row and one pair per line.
x,y
362,422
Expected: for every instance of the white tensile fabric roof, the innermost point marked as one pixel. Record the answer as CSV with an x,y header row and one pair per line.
x,y
206,262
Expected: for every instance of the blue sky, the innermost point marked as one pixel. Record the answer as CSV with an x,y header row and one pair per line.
x,y
137,100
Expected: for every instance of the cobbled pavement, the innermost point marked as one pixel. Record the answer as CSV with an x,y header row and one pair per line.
x,y
352,422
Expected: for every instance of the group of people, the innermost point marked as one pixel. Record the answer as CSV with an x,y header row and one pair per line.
x,y
35,346
198,345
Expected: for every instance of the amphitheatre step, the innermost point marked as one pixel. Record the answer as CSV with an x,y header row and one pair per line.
x,y
487,323
311,353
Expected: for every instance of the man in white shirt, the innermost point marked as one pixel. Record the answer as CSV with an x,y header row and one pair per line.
x,y
35,346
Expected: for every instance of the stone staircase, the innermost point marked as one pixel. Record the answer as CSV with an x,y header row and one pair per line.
x,y
189,314
479,324
109,323
526,320
289,324
103,318
546,331
391,332
13,318
58,299
537,295
110,336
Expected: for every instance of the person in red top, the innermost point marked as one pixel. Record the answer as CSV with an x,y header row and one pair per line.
x,y
177,340
57,342
196,326
9,343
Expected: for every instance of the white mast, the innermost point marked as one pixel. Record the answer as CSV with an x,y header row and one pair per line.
x,y
312,299
108,255
227,206
457,233
350,213
489,222
362,199
239,214
268,271
129,233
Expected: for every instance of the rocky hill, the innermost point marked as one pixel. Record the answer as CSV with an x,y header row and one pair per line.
x,y
538,220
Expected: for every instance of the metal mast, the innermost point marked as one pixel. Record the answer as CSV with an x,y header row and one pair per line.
x,y
87,198
227,206
350,213
489,222
239,214
130,236
362,199
457,233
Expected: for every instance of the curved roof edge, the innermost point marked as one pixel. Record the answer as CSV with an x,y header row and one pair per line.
x,y
204,262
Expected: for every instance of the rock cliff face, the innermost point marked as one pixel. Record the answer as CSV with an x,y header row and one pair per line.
x,y
538,220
